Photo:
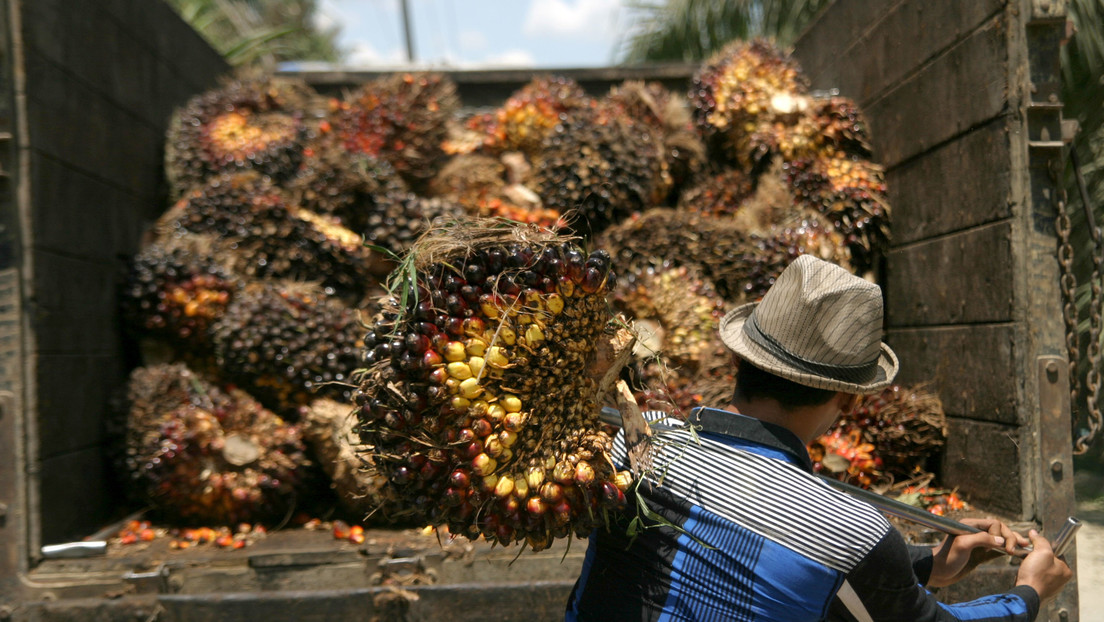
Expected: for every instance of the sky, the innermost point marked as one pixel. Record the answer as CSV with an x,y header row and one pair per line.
x,y
469,34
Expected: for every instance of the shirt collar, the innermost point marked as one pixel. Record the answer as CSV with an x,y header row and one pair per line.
x,y
728,423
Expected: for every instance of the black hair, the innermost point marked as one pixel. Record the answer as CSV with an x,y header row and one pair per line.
x,y
754,383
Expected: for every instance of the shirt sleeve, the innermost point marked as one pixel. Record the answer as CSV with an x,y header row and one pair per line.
x,y
921,557
889,588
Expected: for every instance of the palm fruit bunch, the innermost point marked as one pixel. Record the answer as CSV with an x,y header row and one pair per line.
x,y
721,195
527,118
249,123
480,184
596,171
744,98
401,118
328,429
478,404
287,344
405,217
251,227
653,108
841,128
851,193
684,363
906,425
205,454
346,186
846,456
175,295
740,265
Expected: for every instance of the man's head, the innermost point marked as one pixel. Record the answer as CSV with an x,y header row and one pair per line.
x,y
818,326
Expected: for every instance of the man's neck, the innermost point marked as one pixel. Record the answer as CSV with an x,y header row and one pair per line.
x,y
806,422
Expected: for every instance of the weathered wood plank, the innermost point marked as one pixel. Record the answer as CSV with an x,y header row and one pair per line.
x,y
963,183
959,90
962,278
88,206
904,40
973,369
74,396
835,30
983,460
74,305
77,495
116,147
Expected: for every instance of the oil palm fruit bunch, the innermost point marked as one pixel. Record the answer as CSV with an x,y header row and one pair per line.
x,y
846,456
478,403
653,108
288,344
596,171
742,96
686,363
740,265
905,424
175,295
249,123
851,193
480,184
205,454
720,195
257,233
346,186
841,127
402,119
403,218
527,118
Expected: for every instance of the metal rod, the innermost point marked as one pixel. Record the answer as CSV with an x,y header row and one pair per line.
x,y
1064,538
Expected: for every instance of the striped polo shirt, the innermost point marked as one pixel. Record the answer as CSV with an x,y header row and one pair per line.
x,y
735,526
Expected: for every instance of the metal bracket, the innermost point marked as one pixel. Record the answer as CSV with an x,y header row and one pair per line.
x,y
1055,495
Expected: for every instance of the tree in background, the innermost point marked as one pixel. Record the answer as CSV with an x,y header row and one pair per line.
x,y
1083,96
261,32
691,30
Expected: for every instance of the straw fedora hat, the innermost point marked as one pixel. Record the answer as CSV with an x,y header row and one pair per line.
x,y
819,326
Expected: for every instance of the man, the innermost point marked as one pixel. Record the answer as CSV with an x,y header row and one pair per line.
x,y
737,527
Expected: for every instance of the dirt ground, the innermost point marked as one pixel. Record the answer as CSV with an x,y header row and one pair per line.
x,y
1090,547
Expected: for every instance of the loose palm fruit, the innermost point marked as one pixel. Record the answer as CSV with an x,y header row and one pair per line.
x,y
200,453
245,124
518,411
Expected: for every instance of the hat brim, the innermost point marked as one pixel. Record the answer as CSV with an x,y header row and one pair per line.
x,y
733,336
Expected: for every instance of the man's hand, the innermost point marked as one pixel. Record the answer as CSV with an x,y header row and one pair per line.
x,y
958,555
1042,570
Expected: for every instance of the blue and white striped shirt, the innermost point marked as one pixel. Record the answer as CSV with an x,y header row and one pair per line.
x,y
752,534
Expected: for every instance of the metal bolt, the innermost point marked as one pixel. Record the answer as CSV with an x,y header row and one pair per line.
x,y
3,510
6,612
1052,371
1056,469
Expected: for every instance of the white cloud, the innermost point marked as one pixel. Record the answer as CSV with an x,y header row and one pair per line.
x,y
571,18
363,54
510,58
473,40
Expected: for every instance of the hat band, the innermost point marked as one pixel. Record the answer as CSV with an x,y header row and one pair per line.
x,y
844,373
